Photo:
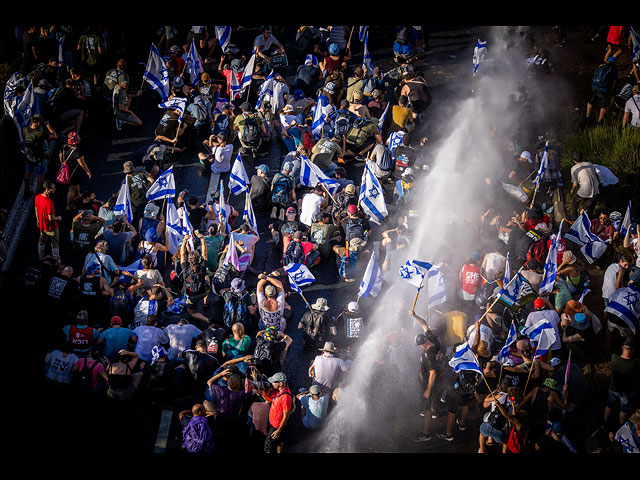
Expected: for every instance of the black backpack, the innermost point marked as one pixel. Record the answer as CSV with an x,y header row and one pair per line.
x,y
385,161
402,37
83,380
315,327
250,132
235,309
267,360
601,80
33,279
354,229
222,277
342,125
282,186
466,382
294,253
194,281
121,303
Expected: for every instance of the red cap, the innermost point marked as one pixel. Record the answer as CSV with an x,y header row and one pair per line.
x,y
538,303
352,209
116,320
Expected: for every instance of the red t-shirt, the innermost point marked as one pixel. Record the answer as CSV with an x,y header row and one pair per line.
x,y
227,74
615,35
44,208
281,403
471,278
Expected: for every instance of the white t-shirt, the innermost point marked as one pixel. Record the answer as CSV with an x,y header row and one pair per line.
x,y
180,338
605,175
265,43
553,318
585,175
59,367
632,108
149,337
486,335
311,206
221,159
494,261
609,280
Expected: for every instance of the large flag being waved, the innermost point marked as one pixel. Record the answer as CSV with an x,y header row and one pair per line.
x,y
193,62
156,73
175,103
518,293
123,203
479,52
223,34
10,97
414,272
511,338
266,90
174,227
321,112
238,178
542,335
592,246
625,304
249,216
24,109
436,287
625,437
371,283
543,165
299,276
551,264
247,75
372,196
464,359
311,175
367,64
163,187
363,32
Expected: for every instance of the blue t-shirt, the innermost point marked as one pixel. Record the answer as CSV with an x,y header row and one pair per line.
x,y
115,339
315,411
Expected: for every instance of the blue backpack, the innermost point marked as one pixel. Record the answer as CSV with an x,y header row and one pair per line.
x,y
235,310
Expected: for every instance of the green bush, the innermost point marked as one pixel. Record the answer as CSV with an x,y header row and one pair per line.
x,y
613,147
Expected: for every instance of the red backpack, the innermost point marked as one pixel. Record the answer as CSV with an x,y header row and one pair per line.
x,y
538,251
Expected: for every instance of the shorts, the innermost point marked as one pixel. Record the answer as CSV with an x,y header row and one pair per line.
x,y
454,401
488,431
53,237
600,99
620,400
122,395
125,117
270,444
38,168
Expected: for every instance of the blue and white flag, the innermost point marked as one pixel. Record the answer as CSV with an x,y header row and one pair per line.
x,y
299,276
311,175
238,178
266,89
163,187
414,272
635,49
517,293
132,268
178,305
311,60
383,117
479,52
187,228
193,63
249,216
123,203
173,228
592,246
395,140
584,294
60,54
511,338
221,211
626,220
247,75
321,112
24,109
551,264
156,74
363,33
628,439
367,64
543,165
371,197
234,87
541,335
507,271
435,287
464,359
625,304
10,97
175,103
371,283
223,34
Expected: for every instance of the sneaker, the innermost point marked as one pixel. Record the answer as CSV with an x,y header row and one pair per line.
x,y
460,426
281,216
274,212
119,124
444,436
422,438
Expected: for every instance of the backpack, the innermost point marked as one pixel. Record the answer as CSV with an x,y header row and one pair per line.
x,y
538,251
402,37
83,380
308,140
197,436
355,229
315,328
55,97
294,253
64,172
220,125
466,382
121,303
282,186
222,277
524,244
601,77
193,282
265,354
235,310
342,125
250,134
385,161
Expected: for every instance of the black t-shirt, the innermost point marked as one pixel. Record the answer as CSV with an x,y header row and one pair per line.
x,y
201,365
289,227
521,169
260,189
193,281
161,374
195,216
214,337
61,289
428,363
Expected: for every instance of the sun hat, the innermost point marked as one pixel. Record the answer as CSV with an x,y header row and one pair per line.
x,y
151,210
568,257
128,167
315,390
278,377
237,285
321,304
328,347
550,382
350,189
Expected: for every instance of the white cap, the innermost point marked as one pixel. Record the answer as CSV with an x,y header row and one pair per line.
x,y
526,155
353,307
408,171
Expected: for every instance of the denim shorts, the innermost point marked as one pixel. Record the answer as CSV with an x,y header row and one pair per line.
x,y
622,400
488,431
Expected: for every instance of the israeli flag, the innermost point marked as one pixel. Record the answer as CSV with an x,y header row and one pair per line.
x,y
173,228
60,54
234,87
123,203
395,139
383,117
321,112
436,287
163,187
132,268
311,175
193,63
10,97
543,165
187,228
363,33
249,216
367,64
635,49
311,59
266,89
175,103
542,335
518,293
371,283
625,304
247,75
626,221
464,359
592,246
238,178
414,272
299,276
627,439
479,52
178,305
511,338
221,210
156,73
507,271
24,109
372,196
551,264
223,34
584,294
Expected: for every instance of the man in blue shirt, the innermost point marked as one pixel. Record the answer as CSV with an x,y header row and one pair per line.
x,y
314,407
116,338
